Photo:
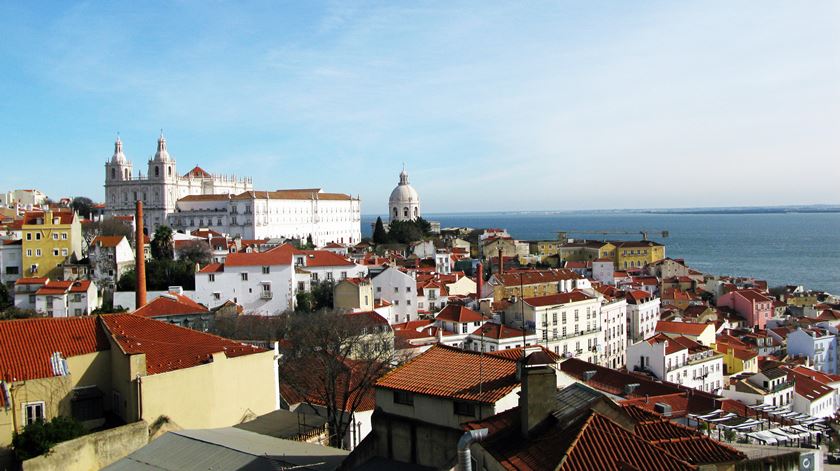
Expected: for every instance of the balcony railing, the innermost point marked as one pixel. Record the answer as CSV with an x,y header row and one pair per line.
x,y
266,295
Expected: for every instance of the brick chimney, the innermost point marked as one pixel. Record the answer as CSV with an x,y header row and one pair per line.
x,y
140,258
501,262
479,281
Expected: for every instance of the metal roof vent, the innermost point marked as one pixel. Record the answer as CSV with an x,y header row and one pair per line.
x,y
630,388
662,408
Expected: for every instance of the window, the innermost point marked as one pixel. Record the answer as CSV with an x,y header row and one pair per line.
x,y
55,235
28,236
28,252
301,286
63,252
314,277
408,289
37,252
404,397
33,412
396,289
266,270
464,408
344,275
55,252
77,312
37,236
378,289
407,301
211,277
77,297
329,276
244,276
217,296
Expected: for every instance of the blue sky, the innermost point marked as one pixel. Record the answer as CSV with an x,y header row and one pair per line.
x,y
491,105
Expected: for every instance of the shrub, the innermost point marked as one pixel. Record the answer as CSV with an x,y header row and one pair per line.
x,y
39,437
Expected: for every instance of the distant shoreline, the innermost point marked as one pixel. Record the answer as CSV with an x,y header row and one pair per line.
x,y
812,209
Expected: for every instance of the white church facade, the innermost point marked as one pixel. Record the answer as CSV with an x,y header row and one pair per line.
x,y
161,187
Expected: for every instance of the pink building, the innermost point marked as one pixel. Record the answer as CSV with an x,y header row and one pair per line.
x,y
751,304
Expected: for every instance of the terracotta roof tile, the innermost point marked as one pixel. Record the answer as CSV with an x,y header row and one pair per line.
x,y
682,328
458,313
169,347
27,344
170,304
559,298
454,373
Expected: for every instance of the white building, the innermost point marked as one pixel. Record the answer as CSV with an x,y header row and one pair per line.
x,y
399,289
66,298
161,187
603,270
23,198
769,387
261,282
11,261
678,360
819,346
642,315
289,214
614,325
110,257
815,393
568,324
404,203
316,266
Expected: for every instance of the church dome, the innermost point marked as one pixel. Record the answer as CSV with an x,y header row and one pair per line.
x,y
404,194
119,156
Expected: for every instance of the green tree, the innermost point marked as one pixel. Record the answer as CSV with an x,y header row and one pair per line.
x,y
424,226
305,302
39,437
160,275
323,294
83,206
162,244
380,236
404,232
12,312
6,299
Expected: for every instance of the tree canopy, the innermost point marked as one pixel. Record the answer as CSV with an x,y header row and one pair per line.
x,y
162,244
380,236
196,251
82,205
160,275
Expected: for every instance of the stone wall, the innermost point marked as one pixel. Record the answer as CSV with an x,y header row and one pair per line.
x,y
93,451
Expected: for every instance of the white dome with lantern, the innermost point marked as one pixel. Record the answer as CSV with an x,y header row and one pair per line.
x,y
404,203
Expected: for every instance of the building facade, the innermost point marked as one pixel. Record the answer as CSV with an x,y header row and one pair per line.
x,y
161,187
287,214
50,238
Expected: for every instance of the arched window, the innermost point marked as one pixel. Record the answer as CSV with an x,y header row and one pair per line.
x,y
405,212
113,173
170,171
395,212
126,174
415,211
157,171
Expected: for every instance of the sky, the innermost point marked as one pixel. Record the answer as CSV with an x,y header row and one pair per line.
x,y
543,105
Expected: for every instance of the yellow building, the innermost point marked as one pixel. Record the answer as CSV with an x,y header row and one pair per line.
x,y
355,294
133,367
530,283
585,250
49,238
738,359
634,254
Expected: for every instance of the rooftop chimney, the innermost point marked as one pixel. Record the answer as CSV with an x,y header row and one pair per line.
x,y
501,262
539,388
140,258
479,281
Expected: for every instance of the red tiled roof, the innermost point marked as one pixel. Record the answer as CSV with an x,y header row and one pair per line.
x,y
458,313
753,295
280,255
198,172
31,281
107,241
308,387
27,344
212,268
169,347
638,296
682,328
530,277
170,304
498,331
80,286
559,298
516,353
323,258
454,373
368,317
65,217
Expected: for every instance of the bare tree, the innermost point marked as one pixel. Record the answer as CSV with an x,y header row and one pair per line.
x,y
331,362
196,251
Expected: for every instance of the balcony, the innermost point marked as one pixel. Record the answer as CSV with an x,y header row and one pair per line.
x,y
266,295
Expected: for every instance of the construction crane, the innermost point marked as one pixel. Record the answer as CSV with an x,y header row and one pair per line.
x,y
563,235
